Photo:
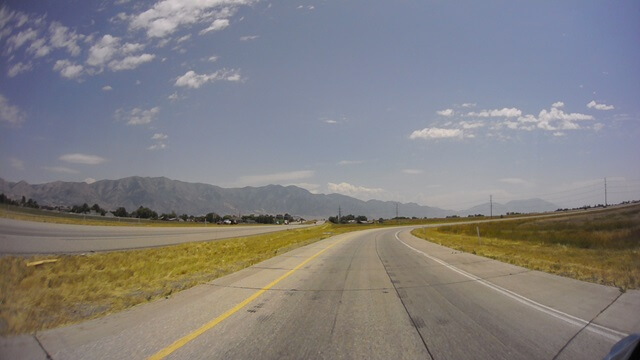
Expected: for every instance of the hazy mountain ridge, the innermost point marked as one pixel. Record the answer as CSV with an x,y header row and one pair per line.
x,y
165,195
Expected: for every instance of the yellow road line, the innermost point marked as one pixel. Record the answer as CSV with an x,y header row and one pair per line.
x,y
187,338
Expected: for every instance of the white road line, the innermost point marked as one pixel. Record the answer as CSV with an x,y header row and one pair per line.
x,y
595,328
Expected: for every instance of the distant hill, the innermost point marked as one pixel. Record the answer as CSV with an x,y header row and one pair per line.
x,y
519,206
165,195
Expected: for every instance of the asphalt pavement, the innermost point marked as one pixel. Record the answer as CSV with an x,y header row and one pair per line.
x,y
375,294
28,237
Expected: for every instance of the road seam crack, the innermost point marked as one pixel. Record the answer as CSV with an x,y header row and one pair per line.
x,y
35,336
413,321
587,325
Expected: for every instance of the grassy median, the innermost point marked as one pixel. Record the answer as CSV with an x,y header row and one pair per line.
x,y
80,287
601,246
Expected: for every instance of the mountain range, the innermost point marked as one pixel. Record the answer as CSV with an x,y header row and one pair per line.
x,y
165,195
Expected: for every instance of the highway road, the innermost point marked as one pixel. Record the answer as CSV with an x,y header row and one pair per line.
x,y
27,237
375,294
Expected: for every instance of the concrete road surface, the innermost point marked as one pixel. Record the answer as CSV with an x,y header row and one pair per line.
x,y
375,294
27,237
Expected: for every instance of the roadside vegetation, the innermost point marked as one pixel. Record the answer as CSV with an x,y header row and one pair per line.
x,y
599,246
72,288
84,214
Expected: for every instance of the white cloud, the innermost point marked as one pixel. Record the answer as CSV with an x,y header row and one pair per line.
x,y
82,159
349,162
166,16
16,163
558,134
158,146
249,37
353,190
468,105
467,125
504,112
556,119
89,180
598,126
193,80
436,133
16,41
39,48
557,104
62,37
18,68
10,114
212,58
330,121
412,171
60,169
130,62
276,178
108,51
217,25
183,38
68,69
446,112
107,88
173,97
594,105
138,116
160,136
103,51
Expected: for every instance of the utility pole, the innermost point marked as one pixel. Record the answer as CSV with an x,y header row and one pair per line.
x,y
491,205
605,192
339,214
396,211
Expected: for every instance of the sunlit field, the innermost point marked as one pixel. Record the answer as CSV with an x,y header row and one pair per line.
x,y
601,246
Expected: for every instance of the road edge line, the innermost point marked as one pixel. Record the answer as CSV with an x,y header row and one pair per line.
x,y
595,328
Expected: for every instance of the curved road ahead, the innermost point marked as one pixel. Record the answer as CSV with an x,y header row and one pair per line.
x,y
26,237
375,294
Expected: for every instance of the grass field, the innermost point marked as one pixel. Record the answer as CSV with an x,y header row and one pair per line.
x,y
601,246
78,287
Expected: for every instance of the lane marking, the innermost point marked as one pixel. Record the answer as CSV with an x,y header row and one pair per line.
x,y
595,328
189,337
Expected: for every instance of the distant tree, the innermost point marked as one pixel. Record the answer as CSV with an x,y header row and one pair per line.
x,y
361,218
184,217
120,212
145,213
23,200
80,209
212,217
265,219
5,200
32,204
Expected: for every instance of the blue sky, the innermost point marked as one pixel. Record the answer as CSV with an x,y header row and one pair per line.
x,y
436,102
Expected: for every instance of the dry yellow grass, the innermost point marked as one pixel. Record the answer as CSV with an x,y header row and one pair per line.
x,y
80,287
601,247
